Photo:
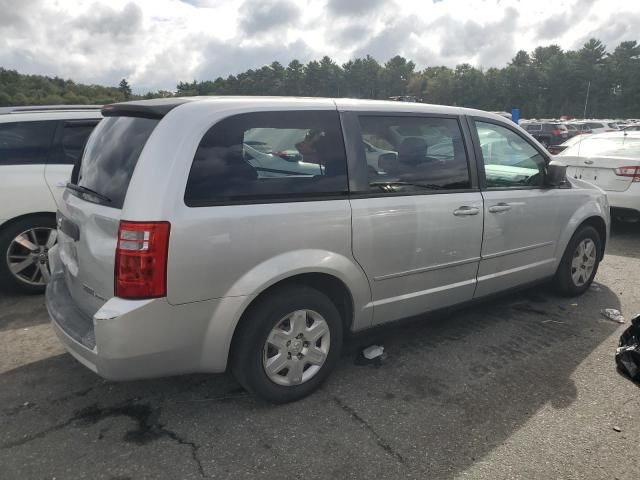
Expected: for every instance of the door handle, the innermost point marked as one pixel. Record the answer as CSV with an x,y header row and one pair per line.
x,y
500,207
589,162
465,211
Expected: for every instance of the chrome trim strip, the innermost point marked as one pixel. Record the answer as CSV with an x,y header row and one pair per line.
x,y
429,291
427,269
515,270
516,250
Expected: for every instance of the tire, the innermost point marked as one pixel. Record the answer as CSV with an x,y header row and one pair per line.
x,y
565,281
274,318
31,279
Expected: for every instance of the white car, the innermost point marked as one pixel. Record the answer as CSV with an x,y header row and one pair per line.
x,y
38,148
612,162
600,126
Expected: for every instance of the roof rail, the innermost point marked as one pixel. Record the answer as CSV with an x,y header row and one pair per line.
x,y
47,108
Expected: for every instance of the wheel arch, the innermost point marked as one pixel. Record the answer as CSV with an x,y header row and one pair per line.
x,y
12,221
335,288
601,227
593,211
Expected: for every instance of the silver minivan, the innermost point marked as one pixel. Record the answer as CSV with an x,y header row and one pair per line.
x,y
248,233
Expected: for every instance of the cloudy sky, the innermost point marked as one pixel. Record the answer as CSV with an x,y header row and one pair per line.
x,y
156,43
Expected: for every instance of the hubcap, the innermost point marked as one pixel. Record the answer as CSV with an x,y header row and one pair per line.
x,y
296,348
583,263
27,256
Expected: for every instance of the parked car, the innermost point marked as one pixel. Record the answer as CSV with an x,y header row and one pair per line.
x,y
632,128
547,133
612,162
175,254
38,147
572,129
556,149
582,127
600,126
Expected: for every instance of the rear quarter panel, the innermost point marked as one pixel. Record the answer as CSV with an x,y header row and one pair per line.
x,y
233,251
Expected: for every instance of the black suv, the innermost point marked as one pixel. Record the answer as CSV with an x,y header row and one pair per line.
x,y
547,133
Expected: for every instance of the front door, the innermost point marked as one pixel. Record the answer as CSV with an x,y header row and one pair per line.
x,y
521,216
417,227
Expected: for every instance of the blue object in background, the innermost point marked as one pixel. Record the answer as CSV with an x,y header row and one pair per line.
x,y
515,115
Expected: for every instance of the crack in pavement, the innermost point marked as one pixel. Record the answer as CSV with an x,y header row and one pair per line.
x,y
382,443
35,436
148,428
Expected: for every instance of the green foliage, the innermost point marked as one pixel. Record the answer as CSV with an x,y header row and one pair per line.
x,y
547,82
18,89
125,89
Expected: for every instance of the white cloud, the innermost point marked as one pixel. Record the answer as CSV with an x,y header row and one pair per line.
x,y
156,43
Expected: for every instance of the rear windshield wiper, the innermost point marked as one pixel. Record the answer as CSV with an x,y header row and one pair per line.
x,y
87,191
399,182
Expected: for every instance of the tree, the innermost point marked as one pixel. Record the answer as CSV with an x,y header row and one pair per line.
x,y
294,78
395,76
546,82
124,88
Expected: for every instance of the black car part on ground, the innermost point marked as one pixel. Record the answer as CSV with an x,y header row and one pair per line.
x,y
628,351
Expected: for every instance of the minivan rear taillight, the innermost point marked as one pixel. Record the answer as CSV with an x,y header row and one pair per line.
x,y
141,260
633,172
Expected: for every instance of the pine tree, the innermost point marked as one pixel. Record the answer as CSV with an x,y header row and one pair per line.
x,y
125,88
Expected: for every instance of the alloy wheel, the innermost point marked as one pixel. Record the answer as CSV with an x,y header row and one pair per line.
x,y
27,256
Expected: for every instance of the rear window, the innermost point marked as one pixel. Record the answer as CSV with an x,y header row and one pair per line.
x,y
24,143
269,156
111,156
605,147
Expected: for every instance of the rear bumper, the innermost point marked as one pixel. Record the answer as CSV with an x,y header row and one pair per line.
x,y
625,203
127,340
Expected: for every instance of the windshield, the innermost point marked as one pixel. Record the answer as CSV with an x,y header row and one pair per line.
x,y
111,157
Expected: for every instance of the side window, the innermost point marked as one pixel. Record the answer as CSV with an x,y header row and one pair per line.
x,y
74,137
266,156
23,143
414,154
509,160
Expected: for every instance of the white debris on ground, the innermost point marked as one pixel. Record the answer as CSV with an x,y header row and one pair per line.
x,y
612,314
373,351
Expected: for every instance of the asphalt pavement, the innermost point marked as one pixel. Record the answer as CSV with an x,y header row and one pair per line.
x,y
523,386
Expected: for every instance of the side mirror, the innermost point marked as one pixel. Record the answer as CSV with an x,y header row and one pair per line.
x,y
556,174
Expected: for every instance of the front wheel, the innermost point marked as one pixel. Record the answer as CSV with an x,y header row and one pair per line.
x,y
579,263
288,344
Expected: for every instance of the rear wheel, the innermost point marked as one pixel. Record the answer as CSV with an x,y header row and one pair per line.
x,y
579,263
288,344
24,248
